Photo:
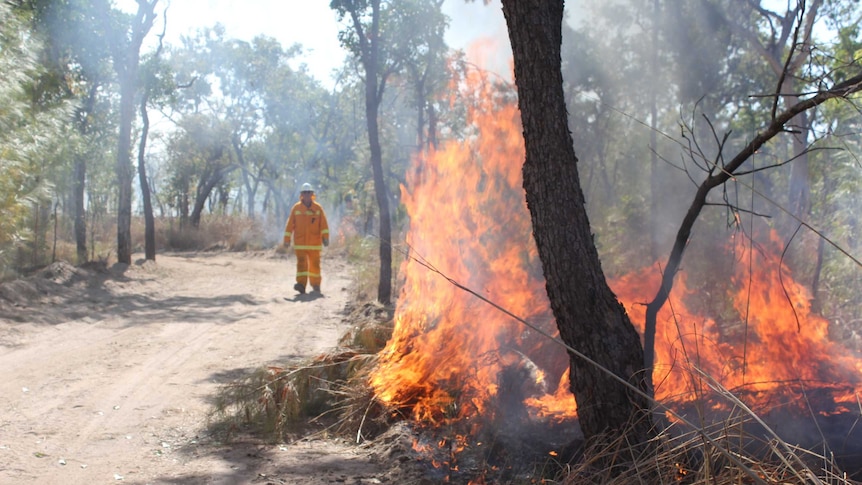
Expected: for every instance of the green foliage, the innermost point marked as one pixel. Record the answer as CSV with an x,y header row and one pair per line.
x,y
30,142
280,126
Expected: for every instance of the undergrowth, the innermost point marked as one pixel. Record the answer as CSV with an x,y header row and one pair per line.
x,y
330,396
327,395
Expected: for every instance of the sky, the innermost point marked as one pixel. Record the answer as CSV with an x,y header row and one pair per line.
x,y
314,25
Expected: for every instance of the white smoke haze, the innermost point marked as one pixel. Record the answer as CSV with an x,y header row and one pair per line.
x,y
610,79
590,69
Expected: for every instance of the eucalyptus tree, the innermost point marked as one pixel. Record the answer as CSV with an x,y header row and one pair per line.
x,y
837,185
275,111
605,46
157,86
299,127
125,36
200,149
241,69
781,113
426,69
200,158
382,36
604,348
784,38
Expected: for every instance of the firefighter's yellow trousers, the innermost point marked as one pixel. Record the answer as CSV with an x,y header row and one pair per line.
x,y
308,267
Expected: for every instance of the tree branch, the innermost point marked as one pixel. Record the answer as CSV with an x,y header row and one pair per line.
x,y
776,126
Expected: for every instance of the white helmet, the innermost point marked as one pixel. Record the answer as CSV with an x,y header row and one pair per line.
x,y
306,187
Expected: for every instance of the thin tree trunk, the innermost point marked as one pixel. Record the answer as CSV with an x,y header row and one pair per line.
x,y
828,188
384,287
370,49
80,177
149,220
432,126
126,64
590,318
124,171
800,171
80,213
251,189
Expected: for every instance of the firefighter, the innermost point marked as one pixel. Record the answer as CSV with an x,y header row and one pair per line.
x,y
309,229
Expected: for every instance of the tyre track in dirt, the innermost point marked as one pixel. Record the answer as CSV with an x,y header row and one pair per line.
x,y
121,391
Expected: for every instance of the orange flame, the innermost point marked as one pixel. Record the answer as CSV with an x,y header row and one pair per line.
x,y
450,352
454,357
775,350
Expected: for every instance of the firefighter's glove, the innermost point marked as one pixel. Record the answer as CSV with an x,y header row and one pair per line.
x,y
326,242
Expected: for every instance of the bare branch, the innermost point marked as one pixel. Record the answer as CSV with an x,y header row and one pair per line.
x,y
776,126
736,208
782,76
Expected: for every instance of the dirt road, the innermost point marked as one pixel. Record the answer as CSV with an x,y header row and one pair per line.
x,y
108,377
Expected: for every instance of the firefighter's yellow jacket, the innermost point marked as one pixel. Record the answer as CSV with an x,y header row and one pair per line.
x,y
307,226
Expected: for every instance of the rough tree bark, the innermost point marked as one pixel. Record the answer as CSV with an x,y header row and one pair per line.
x,y
590,318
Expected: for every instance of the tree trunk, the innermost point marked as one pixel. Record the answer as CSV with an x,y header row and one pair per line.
x,y
590,318
432,126
126,64
384,287
203,193
183,208
80,214
205,188
80,175
370,48
250,188
829,184
800,171
149,220
124,166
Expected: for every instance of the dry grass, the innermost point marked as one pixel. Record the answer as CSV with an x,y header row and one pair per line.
x,y
231,233
331,395
741,448
328,395
723,455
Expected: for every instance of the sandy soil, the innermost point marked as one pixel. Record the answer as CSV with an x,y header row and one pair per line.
x,y
109,374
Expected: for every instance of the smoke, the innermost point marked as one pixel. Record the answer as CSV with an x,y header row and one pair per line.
x,y
480,31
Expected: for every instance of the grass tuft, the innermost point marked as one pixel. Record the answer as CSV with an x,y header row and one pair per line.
x,y
328,394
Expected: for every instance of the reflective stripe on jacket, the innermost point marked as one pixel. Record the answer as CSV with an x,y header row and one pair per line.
x,y
307,225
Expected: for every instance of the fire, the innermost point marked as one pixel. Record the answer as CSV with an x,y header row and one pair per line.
x,y
777,350
451,354
455,358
